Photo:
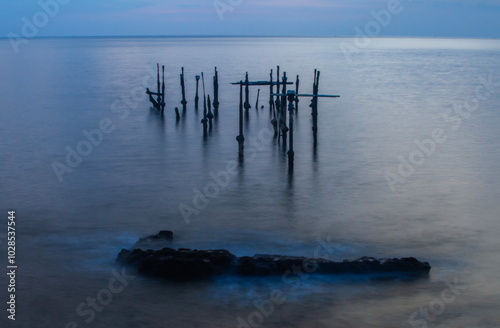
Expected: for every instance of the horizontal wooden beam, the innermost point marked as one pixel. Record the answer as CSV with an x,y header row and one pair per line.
x,y
259,83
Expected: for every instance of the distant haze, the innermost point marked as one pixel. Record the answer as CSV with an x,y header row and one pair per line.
x,y
432,18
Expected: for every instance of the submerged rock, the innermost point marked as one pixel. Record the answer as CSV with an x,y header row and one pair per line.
x,y
186,264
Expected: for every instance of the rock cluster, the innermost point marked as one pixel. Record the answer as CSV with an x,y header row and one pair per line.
x,y
186,264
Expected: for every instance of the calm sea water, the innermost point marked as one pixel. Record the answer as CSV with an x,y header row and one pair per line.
x,y
393,93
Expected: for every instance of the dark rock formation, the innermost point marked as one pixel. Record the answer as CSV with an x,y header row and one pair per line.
x,y
181,264
186,264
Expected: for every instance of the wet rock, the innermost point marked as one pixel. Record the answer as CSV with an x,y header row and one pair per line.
x,y
186,264
182,264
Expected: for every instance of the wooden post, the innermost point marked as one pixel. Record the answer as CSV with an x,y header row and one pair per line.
x,y
183,87
210,116
271,88
257,103
314,106
204,120
277,106
297,82
278,89
291,153
247,94
240,138
283,102
158,98
196,98
216,92
162,105
283,98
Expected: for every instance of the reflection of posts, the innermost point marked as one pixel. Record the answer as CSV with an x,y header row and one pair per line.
x,y
210,116
240,138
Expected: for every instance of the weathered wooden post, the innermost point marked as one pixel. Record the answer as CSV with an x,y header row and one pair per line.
x,y
291,153
162,104
278,106
183,87
284,128
283,99
271,87
240,138
297,82
196,98
216,92
210,116
314,106
257,103
158,99
204,120
247,94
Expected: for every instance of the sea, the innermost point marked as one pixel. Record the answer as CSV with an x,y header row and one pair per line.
x,y
406,164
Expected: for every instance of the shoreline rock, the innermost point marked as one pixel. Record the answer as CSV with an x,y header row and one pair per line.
x,y
186,264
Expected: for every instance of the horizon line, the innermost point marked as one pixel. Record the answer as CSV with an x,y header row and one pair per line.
x,y
249,36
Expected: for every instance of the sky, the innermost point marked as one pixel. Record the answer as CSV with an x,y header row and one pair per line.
x,y
427,18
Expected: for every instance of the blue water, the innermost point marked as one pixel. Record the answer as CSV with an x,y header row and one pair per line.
x,y
132,183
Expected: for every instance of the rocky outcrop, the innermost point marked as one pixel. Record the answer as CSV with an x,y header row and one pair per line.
x,y
181,264
186,264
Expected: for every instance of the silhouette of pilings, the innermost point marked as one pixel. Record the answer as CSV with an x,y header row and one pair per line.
x,y
183,88
196,98
216,92
291,97
240,138
204,120
159,102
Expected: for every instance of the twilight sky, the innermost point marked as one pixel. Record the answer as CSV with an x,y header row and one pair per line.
x,y
441,18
